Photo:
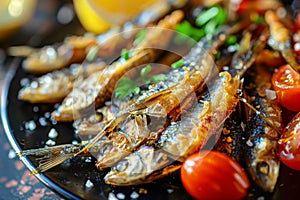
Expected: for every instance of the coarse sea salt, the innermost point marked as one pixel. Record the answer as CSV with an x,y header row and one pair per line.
x,y
50,142
11,154
30,125
52,133
89,183
121,196
111,196
134,195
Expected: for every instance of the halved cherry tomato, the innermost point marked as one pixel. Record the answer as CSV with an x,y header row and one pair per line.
x,y
214,175
286,83
289,144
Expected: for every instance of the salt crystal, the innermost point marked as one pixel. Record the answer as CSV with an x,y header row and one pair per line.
x,y
271,94
11,154
121,196
50,142
170,191
30,125
261,198
42,121
134,195
47,114
52,133
89,184
35,108
111,196
249,143
74,142
24,82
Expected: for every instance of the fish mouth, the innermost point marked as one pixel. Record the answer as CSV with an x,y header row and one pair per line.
x,y
265,172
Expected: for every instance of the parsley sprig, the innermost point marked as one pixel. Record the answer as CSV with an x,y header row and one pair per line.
x,y
207,22
126,87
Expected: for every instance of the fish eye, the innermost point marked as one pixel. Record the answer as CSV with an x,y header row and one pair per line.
x,y
105,149
263,167
122,166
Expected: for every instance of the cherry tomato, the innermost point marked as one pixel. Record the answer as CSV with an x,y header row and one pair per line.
x,y
297,20
286,83
246,6
243,6
214,175
289,144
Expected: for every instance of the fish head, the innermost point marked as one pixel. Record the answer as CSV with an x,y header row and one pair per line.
x,y
266,171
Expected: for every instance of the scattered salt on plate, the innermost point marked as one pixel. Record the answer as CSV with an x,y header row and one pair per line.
x,y
52,133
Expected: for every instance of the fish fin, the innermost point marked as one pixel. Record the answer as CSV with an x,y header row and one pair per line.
x,y
48,163
49,157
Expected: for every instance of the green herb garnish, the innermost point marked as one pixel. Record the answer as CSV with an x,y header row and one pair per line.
x,y
257,18
207,22
126,86
188,31
125,54
211,19
207,15
231,40
140,37
92,53
177,64
145,70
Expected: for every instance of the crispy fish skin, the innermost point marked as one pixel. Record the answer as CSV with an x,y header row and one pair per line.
x,y
191,133
76,106
180,139
231,141
50,58
280,39
168,102
262,133
54,86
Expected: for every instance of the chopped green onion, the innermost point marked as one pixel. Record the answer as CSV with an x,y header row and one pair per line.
x,y
123,81
92,54
218,54
221,17
145,70
211,27
140,37
232,39
187,31
125,54
158,77
136,90
207,15
177,64
126,87
257,19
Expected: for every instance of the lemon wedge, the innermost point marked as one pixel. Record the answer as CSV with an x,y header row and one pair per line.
x,y
97,16
89,18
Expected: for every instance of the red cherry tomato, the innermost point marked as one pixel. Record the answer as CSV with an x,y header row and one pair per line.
x,y
214,175
246,6
297,20
289,145
286,83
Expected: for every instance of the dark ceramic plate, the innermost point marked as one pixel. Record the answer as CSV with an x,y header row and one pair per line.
x,y
27,127
70,178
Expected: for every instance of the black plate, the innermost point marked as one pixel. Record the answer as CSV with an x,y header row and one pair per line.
x,y
70,178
